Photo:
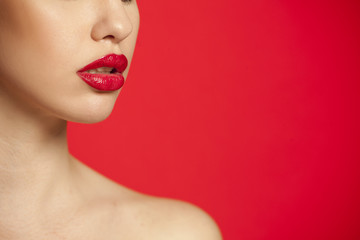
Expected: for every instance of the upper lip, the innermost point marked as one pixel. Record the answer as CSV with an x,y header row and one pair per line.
x,y
115,61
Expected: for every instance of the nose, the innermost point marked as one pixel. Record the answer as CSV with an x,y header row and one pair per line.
x,y
113,22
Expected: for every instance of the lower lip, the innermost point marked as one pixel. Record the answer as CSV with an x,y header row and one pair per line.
x,y
103,82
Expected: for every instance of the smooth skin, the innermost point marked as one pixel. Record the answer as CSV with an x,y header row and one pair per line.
x,y
45,193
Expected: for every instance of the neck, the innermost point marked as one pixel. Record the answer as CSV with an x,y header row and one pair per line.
x,y
35,164
30,150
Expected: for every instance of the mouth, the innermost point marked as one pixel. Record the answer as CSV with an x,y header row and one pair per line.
x,y
105,74
102,70
111,63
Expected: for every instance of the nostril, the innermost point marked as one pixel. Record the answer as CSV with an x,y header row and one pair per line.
x,y
109,36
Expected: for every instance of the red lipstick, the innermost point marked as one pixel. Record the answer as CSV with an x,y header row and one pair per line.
x,y
105,80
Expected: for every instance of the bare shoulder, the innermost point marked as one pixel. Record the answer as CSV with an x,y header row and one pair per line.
x,y
180,220
138,216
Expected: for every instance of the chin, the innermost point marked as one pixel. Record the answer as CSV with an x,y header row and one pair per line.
x,y
89,119
89,111
93,115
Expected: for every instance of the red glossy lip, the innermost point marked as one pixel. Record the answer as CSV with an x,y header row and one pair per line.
x,y
105,82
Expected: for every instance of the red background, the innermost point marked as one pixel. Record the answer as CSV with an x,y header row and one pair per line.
x,y
249,109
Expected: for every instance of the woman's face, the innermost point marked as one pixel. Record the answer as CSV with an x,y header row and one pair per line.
x,y
43,43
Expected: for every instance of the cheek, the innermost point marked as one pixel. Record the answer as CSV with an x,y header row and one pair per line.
x,y
52,40
36,43
34,52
